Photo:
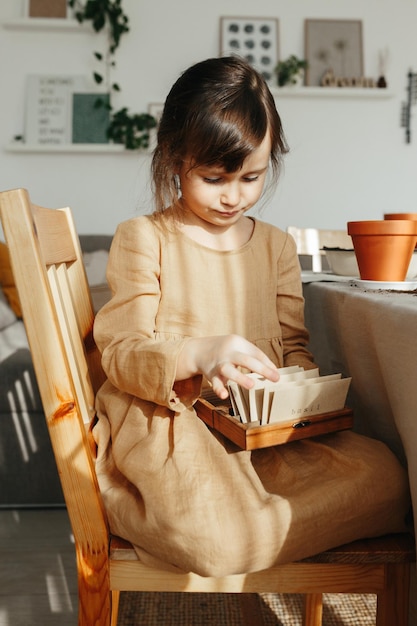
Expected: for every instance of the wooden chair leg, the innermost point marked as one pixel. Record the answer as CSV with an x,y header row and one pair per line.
x,y
89,612
115,598
94,596
312,609
393,602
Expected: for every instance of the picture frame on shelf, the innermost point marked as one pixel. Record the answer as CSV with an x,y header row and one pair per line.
x,y
90,117
53,9
49,107
333,46
254,38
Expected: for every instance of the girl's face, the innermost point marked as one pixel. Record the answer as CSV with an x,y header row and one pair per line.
x,y
218,198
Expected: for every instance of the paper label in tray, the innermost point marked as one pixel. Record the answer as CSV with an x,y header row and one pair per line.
x,y
310,399
298,393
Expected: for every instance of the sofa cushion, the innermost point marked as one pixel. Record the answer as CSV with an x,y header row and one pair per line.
x,y
7,281
89,243
95,264
12,338
100,294
7,316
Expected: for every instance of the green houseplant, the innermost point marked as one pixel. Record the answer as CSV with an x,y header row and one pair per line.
x,y
133,130
290,71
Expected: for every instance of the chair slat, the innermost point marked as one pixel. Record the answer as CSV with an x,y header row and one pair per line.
x,y
74,346
52,234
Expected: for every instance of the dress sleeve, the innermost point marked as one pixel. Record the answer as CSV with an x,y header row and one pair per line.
x,y
133,359
290,308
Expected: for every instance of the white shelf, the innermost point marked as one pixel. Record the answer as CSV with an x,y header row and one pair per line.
x,y
105,148
281,92
40,23
332,92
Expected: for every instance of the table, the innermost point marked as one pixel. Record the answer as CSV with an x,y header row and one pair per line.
x,y
371,336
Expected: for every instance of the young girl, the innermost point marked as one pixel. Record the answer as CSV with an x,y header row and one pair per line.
x,y
202,294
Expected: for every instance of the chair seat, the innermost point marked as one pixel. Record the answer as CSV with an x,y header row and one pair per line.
x,y
325,572
395,548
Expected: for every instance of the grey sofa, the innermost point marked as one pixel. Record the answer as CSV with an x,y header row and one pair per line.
x,y
28,475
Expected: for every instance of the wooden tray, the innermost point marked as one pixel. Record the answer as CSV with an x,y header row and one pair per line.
x,y
252,435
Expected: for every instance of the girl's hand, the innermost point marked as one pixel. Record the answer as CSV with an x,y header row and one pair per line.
x,y
219,360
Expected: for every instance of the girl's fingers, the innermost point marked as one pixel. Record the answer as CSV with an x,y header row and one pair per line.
x,y
229,371
219,388
264,368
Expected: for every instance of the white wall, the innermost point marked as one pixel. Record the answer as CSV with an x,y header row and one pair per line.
x,y
348,159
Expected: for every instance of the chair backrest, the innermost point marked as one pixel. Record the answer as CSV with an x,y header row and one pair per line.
x,y
310,242
56,304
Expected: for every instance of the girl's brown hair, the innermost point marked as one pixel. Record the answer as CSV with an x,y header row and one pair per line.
x,y
216,113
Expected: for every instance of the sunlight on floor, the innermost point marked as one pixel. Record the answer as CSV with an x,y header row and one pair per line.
x,y
4,617
57,589
24,432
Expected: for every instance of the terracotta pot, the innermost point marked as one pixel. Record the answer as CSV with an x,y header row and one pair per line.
x,y
383,248
400,216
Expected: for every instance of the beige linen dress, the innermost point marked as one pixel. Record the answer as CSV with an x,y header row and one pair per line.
x,y
184,496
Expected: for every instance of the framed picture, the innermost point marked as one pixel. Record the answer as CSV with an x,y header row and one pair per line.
x,y
333,46
49,107
89,122
46,8
252,38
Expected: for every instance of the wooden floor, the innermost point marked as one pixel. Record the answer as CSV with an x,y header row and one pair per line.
x,y
37,569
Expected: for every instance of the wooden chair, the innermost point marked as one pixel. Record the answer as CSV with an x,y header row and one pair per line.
x,y
310,242
51,281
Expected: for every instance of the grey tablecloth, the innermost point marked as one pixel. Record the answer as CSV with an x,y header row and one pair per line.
x,y
371,336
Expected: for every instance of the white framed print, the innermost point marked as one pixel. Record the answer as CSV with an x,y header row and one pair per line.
x,y
255,39
48,110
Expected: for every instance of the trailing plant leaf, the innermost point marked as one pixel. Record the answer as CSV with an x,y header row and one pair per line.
x,y
103,13
101,103
133,130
